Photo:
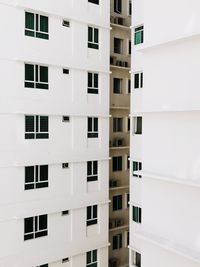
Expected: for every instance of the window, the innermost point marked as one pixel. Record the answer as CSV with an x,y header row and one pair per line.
x,y
92,215
137,166
137,214
138,80
127,238
117,86
128,162
139,35
136,259
117,163
117,125
65,165
94,1
118,46
65,119
65,71
36,25
36,177
117,241
65,212
93,83
43,265
128,124
130,8
129,86
118,6
91,258
36,76
93,38
35,227
36,127
92,171
129,47
66,23
65,260
137,125
117,202
92,127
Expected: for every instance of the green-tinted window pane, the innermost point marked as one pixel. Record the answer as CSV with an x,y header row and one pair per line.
x,y
29,72
43,172
29,123
135,214
29,20
138,38
88,257
29,174
94,255
44,124
44,24
96,36
43,74
90,34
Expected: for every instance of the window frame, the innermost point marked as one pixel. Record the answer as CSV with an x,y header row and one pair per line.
x,y
94,44
138,80
121,46
93,176
137,214
37,232
136,258
117,244
119,82
93,83
38,182
136,166
139,35
92,258
96,2
137,125
118,124
36,83
119,165
37,133
118,6
91,131
117,202
91,211
36,31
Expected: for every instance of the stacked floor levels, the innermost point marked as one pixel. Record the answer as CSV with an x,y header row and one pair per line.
x,y
165,146
54,114
120,56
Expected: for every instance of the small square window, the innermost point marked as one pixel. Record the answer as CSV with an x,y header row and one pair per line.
x,y
65,118
65,71
65,165
66,23
65,212
137,123
65,260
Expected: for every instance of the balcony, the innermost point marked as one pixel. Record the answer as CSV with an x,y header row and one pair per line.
x,y
117,224
116,62
120,22
115,184
119,143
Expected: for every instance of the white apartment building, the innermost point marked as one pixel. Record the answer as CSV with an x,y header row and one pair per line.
x,y
165,147
54,114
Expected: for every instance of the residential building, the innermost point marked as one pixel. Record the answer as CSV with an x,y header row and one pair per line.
x,y
54,114
120,59
165,147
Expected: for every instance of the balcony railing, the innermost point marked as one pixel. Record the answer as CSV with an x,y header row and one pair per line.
x,y
115,223
121,21
118,142
114,262
119,63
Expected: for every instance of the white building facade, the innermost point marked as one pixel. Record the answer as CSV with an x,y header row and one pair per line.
x,y
54,113
164,180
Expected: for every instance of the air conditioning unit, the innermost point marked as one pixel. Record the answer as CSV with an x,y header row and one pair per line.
x,y
113,60
113,183
119,222
119,63
114,262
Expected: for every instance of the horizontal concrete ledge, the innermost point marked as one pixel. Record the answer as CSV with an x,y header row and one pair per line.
x,y
178,249
177,180
163,110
